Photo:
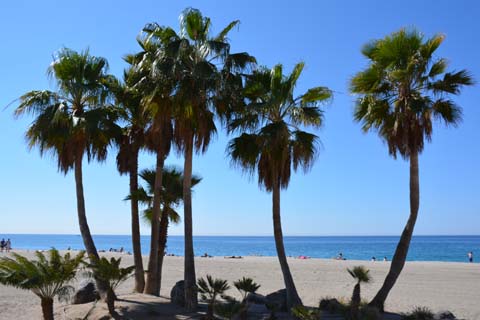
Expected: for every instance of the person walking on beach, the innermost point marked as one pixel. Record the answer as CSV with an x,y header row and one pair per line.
x,y
470,256
2,245
8,245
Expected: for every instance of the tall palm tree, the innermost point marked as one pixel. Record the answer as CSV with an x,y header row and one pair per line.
x,y
172,197
73,122
404,88
156,89
131,140
47,277
195,61
272,140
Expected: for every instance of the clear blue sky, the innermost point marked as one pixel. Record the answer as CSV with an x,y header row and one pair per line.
x,y
355,188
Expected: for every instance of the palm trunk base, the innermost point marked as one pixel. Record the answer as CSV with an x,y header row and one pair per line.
x,y
47,308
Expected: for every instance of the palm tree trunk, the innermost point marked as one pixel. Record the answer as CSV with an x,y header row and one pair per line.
x,y
191,299
293,298
111,303
136,244
401,252
82,221
162,243
151,285
355,303
47,308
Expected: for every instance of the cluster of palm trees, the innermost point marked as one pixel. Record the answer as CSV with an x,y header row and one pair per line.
x,y
181,85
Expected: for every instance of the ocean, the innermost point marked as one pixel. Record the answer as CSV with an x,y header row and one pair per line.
x,y
423,248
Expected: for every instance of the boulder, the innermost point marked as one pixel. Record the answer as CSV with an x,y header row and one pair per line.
x,y
330,305
277,299
177,294
255,298
444,315
86,293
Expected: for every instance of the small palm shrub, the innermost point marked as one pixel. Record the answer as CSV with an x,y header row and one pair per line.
x,y
230,309
361,275
303,313
420,313
245,286
47,276
110,272
210,289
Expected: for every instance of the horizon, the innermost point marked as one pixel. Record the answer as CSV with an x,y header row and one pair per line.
x,y
354,186
253,236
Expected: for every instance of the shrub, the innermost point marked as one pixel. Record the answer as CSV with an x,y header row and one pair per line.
x,y
209,290
47,277
110,272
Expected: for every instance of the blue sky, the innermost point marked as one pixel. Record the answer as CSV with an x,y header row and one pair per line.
x,y
355,188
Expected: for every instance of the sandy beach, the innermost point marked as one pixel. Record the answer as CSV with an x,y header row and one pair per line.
x,y
437,285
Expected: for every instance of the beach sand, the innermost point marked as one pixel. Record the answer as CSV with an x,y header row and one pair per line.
x,y
437,285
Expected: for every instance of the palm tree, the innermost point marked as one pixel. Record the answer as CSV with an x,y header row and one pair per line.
x,y
73,122
47,277
272,140
110,272
192,60
402,91
156,90
172,196
210,289
245,286
362,275
130,142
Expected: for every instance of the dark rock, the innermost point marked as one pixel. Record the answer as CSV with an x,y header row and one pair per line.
x,y
277,299
86,293
177,294
258,310
444,315
330,305
255,298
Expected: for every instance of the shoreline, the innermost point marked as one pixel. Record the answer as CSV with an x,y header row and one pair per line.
x,y
145,256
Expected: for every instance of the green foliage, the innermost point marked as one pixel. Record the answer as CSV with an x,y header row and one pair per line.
x,y
333,305
171,195
419,313
229,309
73,120
271,140
303,313
110,271
404,88
246,286
361,274
209,290
47,276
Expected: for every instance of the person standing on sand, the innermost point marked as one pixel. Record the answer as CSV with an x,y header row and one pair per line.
x,y
470,256
2,245
8,245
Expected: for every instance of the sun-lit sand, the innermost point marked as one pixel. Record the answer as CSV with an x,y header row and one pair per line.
x,y
437,285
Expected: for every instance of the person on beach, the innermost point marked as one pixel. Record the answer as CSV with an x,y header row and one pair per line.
x,y
2,245
374,259
340,257
385,259
470,256
8,245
